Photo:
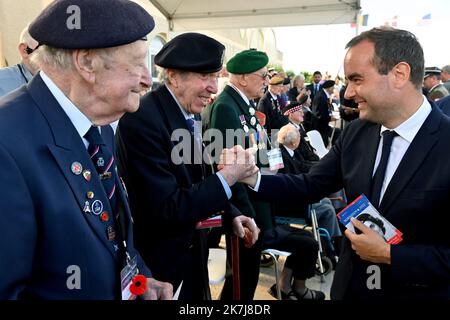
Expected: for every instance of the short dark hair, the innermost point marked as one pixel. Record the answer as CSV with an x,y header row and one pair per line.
x,y
393,46
317,72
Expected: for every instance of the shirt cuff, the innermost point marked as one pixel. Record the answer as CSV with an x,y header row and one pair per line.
x,y
258,181
225,185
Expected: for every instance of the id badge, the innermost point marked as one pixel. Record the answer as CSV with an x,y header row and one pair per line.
x,y
126,277
275,159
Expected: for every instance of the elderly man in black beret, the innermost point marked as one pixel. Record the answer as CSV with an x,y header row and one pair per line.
x,y
65,225
170,193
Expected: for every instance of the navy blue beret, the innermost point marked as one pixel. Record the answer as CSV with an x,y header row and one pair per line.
x,y
90,24
328,84
192,52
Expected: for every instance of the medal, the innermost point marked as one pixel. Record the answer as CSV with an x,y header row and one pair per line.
x,y
97,207
252,111
246,128
76,168
253,121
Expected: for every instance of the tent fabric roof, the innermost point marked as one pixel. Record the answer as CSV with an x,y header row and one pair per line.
x,y
222,14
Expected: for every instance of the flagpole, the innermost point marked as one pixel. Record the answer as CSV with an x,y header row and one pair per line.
x,y
358,18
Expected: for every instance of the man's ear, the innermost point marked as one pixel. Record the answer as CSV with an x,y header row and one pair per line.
x,y
172,77
401,73
22,50
83,61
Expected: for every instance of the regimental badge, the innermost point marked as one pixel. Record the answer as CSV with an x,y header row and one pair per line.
x,y
90,195
253,121
87,207
100,162
252,111
105,175
76,168
87,175
97,207
246,129
111,233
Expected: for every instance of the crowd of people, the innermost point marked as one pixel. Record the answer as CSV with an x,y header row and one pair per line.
x,y
74,225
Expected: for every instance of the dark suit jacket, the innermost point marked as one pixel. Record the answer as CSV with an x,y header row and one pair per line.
x,y
321,116
43,229
444,104
167,199
271,108
416,202
310,87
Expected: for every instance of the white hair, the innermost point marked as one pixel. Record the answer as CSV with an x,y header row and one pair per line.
x,y
287,135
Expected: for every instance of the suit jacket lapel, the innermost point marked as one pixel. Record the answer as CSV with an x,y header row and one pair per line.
x,y
67,149
243,107
413,158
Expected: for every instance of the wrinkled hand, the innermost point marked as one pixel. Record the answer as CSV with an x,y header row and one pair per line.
x,y
158,290
246,228
369,245
237,164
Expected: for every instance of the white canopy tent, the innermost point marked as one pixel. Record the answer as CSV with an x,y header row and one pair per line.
x,y
184,15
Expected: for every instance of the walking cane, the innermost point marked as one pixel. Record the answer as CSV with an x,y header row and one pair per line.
x,y
235,267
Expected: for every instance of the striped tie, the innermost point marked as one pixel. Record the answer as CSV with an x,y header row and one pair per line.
x,y
104,163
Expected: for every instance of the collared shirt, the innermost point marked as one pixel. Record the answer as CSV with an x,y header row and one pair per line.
x,y
13,77
81,123
187,115
406,132
244,97
290,151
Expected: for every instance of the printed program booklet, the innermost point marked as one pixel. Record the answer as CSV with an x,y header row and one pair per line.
x,y
365,212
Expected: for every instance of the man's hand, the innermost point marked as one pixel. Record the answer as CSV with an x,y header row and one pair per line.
x,y
158,290
246,228
369,245
237,164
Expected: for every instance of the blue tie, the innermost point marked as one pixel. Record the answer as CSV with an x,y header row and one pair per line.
x,y
104,163
378,178
190,123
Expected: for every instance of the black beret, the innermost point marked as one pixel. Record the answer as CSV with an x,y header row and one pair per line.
x,y
90,24
286,81
432,71
247,61
328,84
192,52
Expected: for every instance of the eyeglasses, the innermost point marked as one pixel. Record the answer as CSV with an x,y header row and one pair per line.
x,y
264,76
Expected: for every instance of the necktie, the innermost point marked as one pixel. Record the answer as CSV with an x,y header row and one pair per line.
x,y
190,123
378,178
104,163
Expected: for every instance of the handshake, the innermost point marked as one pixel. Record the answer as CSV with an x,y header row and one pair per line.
x,y
238,165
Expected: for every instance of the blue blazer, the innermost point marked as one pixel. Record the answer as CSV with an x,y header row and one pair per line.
x,y
43,228
416,202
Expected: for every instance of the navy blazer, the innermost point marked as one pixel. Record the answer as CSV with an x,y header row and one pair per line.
x,y
416,202
43,229
167,199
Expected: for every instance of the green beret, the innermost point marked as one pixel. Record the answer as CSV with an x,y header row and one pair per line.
x,y
247,61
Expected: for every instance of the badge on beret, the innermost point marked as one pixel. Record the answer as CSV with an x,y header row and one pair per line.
x,y
76,168
253,121
252,111
97,207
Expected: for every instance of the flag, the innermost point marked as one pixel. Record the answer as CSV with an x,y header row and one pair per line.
x,y
425,21
362,21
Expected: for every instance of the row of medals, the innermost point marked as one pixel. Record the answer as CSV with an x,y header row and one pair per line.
x,y
260,145
97,206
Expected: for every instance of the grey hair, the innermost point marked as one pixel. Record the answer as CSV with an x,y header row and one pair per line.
x,y
446,68
287,135
164,74
61,59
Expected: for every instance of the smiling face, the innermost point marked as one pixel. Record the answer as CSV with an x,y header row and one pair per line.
x,y
371,90
193,90
121,79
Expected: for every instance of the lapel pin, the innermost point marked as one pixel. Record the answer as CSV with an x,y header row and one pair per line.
x,y
100,162
111,233
86,208
87,175
97,207
76,168
104,216
90,195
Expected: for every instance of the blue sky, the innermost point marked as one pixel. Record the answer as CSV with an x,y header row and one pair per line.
x,y
311,48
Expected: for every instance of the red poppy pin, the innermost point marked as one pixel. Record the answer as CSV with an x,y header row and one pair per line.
x,y
138,285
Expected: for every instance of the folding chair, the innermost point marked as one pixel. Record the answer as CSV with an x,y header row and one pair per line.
x,y
315,139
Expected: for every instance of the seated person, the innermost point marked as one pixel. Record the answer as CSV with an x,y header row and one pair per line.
x,y
289,140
